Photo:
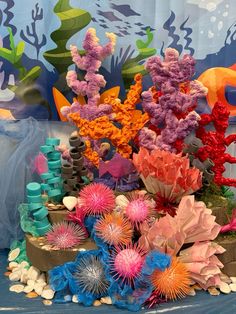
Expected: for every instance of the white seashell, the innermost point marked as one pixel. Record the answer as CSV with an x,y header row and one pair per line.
x,y
33,273
15,276
24,275
13,265
232,287
47,247
24,264
38,289
81,249
16,269
30,282
224,288
47,302
47,293
13,254
41,278
121,201
192,292
233,279
106,300
17,288
70,202
213,291
97,303
225,278
75,299
28,289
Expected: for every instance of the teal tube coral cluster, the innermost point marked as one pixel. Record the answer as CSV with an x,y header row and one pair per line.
x,y
39,211
52,184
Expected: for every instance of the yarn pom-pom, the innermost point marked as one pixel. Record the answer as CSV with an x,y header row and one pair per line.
x,y
127,263
65,235
97,199
114,229
90,275
173,282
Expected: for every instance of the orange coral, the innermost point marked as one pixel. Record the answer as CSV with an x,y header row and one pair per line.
x,y
132,121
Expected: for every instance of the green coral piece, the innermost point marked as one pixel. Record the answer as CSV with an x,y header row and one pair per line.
x,y
72,21
132,66
26,223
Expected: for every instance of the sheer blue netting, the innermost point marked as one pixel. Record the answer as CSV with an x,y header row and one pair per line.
x,y
19,144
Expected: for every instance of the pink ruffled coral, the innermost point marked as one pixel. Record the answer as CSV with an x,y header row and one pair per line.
x,y
166,174
202,264
193,222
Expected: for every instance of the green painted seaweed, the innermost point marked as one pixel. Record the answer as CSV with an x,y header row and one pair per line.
x,y
133,66
72,21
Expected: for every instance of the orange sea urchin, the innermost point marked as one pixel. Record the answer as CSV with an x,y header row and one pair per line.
x,y
173,282
114,229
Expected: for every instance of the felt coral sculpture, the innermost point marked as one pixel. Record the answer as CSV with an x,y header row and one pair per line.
x,y
94,119
171,110
216,142
167,175
173,282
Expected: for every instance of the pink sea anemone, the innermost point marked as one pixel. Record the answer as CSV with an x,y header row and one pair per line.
x,y
138,208
65,235
114,229
97,199
127,263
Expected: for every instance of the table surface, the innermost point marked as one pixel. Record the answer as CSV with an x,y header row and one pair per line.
x,y
11,302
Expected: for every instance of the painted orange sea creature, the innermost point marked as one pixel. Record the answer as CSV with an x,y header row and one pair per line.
x,y
216,80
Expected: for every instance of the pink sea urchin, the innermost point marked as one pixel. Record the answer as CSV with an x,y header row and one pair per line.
x,y
127,263
114,229
138,209
65,235
97,199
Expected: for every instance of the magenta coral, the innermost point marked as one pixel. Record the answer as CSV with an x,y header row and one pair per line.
x,y
173,113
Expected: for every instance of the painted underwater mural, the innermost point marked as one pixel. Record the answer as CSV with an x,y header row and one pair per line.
x,y
35,37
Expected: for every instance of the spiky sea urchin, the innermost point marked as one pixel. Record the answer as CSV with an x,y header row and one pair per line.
x,y
97,199
90,275
114,229
173,282
65,235
127,263
138,209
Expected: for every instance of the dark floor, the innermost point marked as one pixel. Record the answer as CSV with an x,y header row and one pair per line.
x,y
11,302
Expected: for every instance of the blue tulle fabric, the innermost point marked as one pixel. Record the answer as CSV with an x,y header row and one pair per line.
x,y
19,142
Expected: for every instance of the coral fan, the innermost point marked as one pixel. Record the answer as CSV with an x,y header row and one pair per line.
x,y
215,142
167,175
173,282
90,275
193,222
173,114
65,235
127,263
96,199
114,229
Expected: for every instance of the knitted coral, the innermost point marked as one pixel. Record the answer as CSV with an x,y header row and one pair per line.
x,y
216,142
171,111
95,120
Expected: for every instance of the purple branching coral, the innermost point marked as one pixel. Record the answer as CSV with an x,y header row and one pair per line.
x,y
173,115
93,82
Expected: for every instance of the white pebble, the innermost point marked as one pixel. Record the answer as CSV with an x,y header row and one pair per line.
x,y
17,288
75,299
232,287
224,288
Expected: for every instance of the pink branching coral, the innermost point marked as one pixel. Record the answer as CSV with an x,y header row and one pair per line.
x,y
167,175
202,264
172,113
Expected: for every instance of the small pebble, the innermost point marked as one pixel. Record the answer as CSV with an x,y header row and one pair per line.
x,y
97,303
106,300
232,287
31,295
75,299
224,287
47,302
213,291
17,288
